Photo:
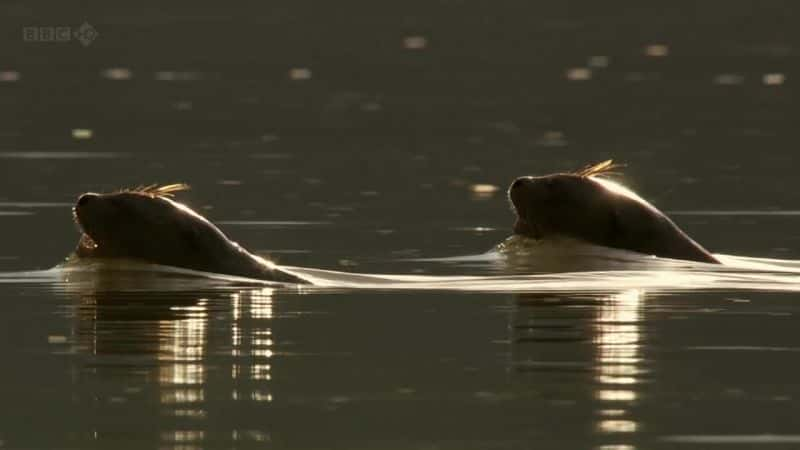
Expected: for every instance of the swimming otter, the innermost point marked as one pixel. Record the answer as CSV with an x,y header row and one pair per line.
x,y
144,224
585,206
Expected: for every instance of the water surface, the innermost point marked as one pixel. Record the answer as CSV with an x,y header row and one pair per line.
x,y
378,138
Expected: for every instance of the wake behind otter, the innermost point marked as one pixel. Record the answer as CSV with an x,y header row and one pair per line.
x,y
666,276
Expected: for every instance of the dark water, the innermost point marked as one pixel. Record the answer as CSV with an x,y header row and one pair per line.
x,y
351,136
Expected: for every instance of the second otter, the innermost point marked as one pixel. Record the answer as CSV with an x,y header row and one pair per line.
x,y
586,206
144,224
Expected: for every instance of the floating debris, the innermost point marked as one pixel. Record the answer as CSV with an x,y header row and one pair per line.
x,y
635,76
371,107
182,105
9,75
82,133
598,61
483,189
728,79
552,139
177,76
56,339
415,42
299,73
656,50
579,74
117,73
773,79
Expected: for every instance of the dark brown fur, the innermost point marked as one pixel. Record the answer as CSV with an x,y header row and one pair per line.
x,y
144,224
586,206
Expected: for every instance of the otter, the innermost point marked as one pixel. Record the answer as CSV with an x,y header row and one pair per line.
x,y
589,207
145,224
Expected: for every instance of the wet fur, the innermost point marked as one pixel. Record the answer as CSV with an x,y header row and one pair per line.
x,y
145,224
587,206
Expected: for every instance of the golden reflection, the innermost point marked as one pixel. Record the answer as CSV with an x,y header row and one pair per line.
x,y
259,396
183,439
612,412
174,329
252,344
617,336
183,436
185,346
261,352
615,395
551,334
606,379
236,369
616,426
253,435
193,413
261,305
260,372
617,339
187,395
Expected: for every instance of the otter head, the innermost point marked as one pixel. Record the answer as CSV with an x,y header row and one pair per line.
x,y
144,224
578,205
586,206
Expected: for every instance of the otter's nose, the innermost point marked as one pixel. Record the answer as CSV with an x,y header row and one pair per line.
x,y
84,199
516,191
518,183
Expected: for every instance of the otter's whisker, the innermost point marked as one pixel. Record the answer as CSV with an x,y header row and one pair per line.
x,y
155,190
606,167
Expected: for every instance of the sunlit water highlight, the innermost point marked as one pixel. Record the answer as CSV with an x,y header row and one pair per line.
x,y
558,267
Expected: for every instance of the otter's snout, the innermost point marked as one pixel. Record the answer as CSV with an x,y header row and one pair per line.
x,y
516,189
85,199
83,207
524,193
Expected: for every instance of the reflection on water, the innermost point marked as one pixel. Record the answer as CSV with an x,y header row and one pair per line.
x,y
618,360
601,335
210,365
182,368
209,348
173,328
253,342
383,137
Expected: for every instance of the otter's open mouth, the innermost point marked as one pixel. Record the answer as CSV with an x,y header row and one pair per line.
x,y
526,228
85,244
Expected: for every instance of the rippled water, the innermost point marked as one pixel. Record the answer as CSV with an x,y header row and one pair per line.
x,y
378,139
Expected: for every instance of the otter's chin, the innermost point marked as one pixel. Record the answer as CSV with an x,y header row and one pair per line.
x,y
526,228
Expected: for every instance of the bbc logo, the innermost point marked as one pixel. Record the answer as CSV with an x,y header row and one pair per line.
x,y
47,34
85,34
